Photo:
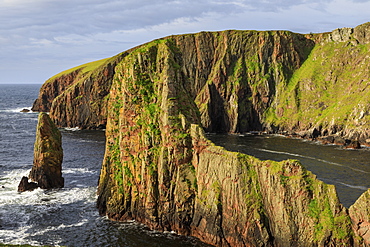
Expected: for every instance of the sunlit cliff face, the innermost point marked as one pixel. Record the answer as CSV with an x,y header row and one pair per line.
x,y
160,169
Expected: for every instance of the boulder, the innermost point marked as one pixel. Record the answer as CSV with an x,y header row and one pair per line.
x,y
24,185
354,145
46,171
327,139
338,140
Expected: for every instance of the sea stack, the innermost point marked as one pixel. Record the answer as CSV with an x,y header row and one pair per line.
x,y
48,156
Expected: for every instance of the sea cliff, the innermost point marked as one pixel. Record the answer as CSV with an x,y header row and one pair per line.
x,y
78,97
160,169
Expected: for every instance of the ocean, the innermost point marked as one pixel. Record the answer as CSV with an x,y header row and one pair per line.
x,y
63,217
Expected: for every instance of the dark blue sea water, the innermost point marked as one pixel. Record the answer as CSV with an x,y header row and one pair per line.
x,y
67,216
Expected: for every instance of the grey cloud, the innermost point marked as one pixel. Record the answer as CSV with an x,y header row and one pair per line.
x,y
91,16
65,33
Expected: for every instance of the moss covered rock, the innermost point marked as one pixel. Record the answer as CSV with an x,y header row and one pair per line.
x,y
48,155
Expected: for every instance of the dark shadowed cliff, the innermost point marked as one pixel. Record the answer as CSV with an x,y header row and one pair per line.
x,y
159,168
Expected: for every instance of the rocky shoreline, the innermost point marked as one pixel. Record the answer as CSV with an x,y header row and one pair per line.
x,y
327,140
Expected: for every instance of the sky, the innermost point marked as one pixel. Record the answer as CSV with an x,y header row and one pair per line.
x,y
40,38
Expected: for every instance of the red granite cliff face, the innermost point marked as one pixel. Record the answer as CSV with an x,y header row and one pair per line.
x,y
360,216
242,81
85,103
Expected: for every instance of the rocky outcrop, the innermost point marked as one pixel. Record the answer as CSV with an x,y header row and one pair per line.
x,y
160,170
357,35
25,185
48,156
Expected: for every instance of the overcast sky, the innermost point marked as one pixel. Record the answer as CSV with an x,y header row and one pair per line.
x,y
39,38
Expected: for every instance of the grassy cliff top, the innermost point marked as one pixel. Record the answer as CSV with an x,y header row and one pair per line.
x,y
85,68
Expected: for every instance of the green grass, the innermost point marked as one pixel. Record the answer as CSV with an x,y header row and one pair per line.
x,y
329,86
85,68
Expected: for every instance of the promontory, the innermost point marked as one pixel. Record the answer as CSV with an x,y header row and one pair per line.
x,y
157,100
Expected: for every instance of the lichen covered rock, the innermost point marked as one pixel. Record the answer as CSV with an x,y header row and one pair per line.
x,y
48,155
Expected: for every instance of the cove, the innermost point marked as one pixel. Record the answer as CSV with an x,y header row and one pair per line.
x,y
347,169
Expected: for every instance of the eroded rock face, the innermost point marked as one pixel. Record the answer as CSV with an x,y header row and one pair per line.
x,y
243,81
52,89
360,215
48,155
160,170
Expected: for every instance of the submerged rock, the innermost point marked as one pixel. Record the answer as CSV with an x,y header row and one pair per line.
x,y
46,172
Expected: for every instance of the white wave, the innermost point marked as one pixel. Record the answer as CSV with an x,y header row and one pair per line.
x,y
17,209
60,227
354,186
18,236
18,109
68,196
72,129
9,195
78,171
279,152
11,179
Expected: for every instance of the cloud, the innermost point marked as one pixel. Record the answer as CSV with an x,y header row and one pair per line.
x,y
66,33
